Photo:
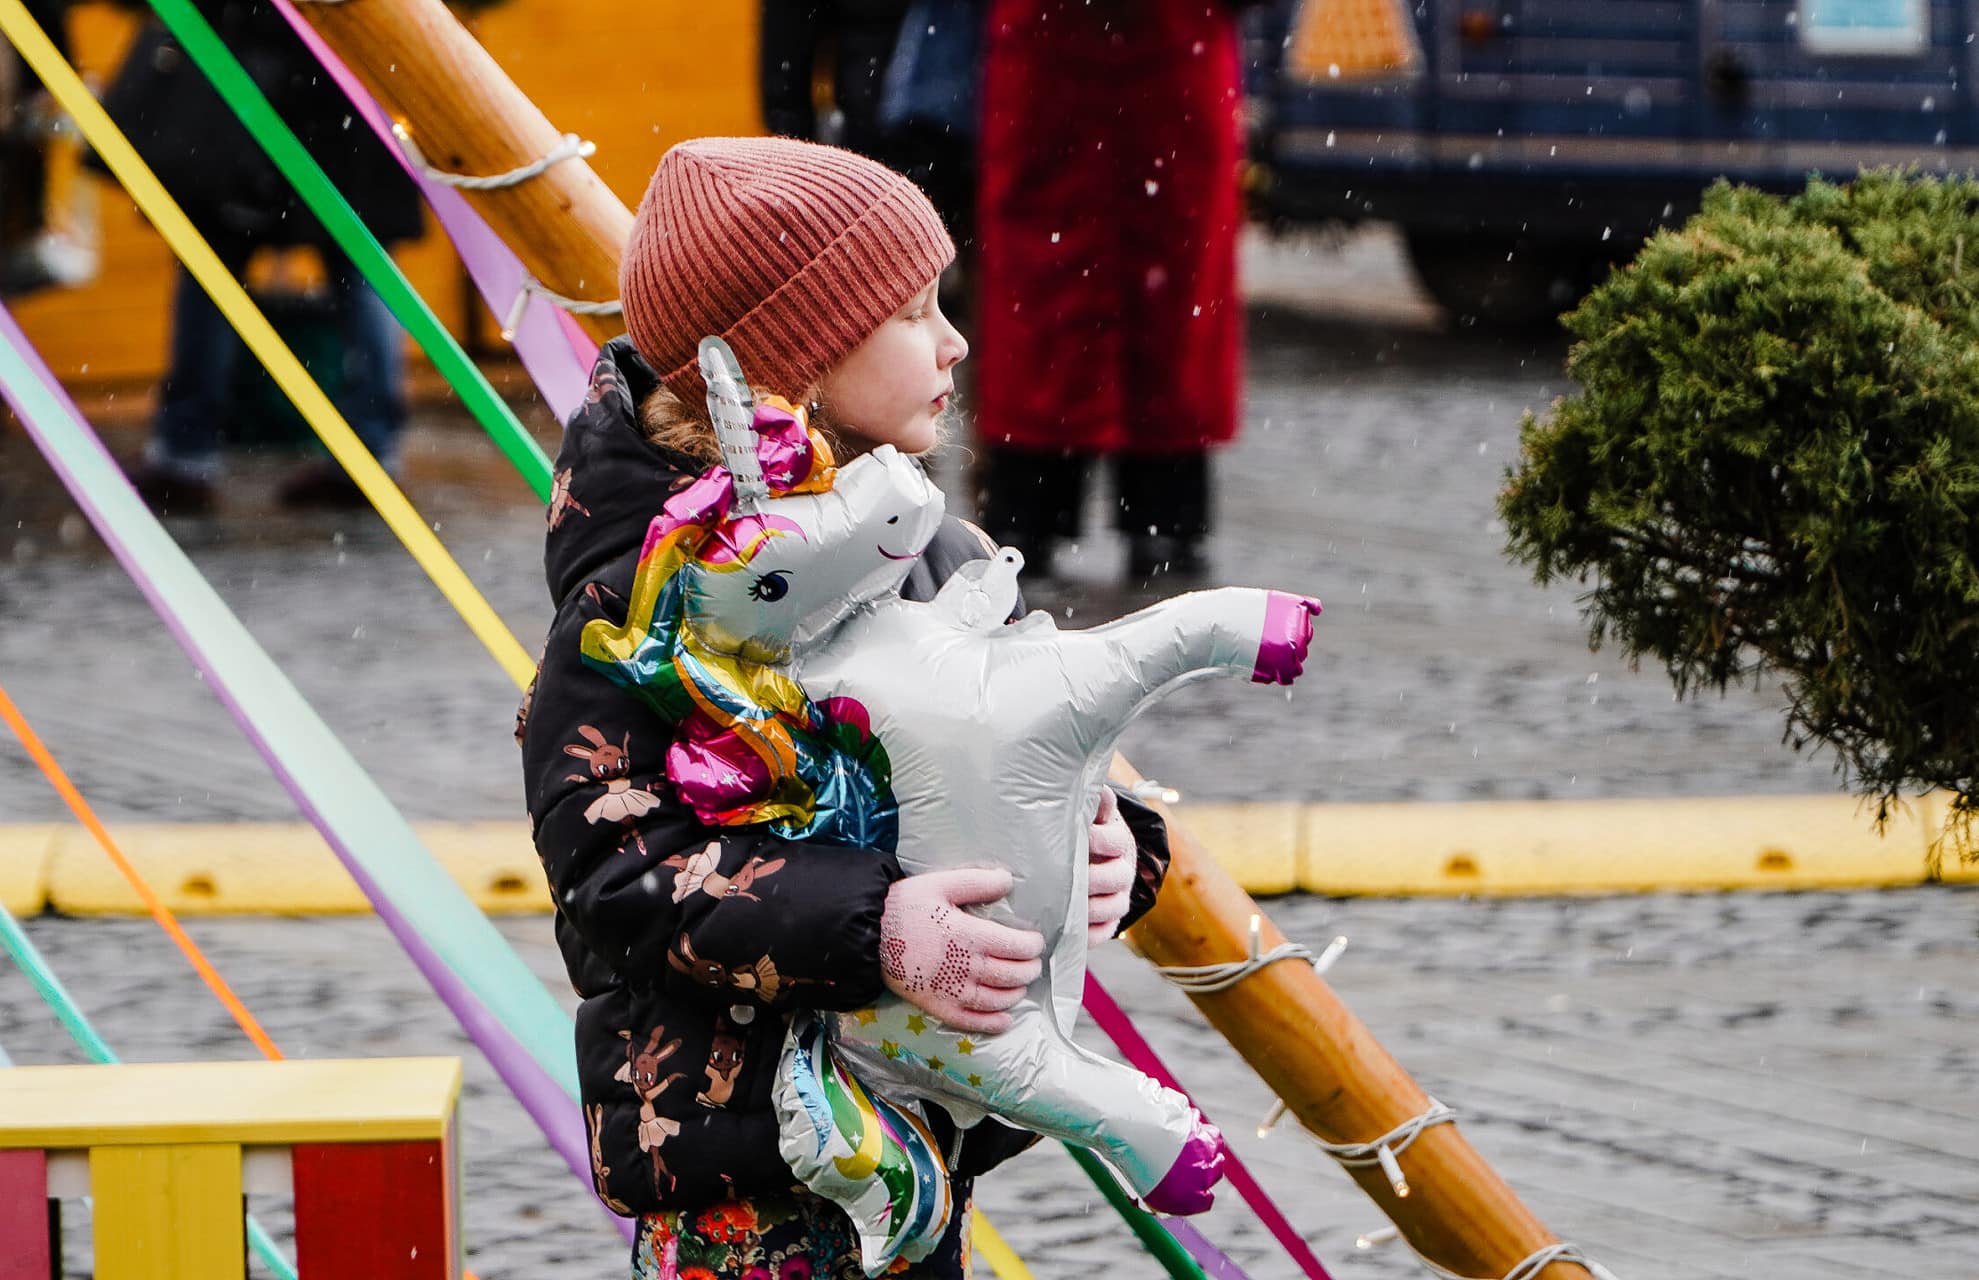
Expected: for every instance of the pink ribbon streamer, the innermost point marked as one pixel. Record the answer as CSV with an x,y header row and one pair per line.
x,y
1113,1020
556,352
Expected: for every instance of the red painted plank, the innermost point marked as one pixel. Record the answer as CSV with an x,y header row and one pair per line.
x,y
382,1210
25,1251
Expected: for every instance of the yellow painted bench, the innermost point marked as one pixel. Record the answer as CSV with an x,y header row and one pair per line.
x,y
367,1148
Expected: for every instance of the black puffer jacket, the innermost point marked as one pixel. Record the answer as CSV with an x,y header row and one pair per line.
x,y
686,983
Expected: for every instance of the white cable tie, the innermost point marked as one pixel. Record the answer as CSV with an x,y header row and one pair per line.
x,y
1375,1238
1149,789
576,306
1271,1118
1207,979
569,147
1392,1168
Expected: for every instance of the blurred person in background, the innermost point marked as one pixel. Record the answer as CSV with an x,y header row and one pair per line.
x,y
38,250
1108,324
902,91
240,203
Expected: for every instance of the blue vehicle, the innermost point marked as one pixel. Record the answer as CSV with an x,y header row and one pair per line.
x,y
1544,139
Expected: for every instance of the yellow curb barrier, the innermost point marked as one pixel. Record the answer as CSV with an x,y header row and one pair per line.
x,y
1483,848
1259,844
1618,846
274,868
25,852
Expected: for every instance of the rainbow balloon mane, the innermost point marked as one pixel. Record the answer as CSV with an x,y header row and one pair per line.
x,y
750,746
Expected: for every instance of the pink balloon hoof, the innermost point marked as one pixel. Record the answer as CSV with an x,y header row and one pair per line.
x,y
1281,654
1188,1185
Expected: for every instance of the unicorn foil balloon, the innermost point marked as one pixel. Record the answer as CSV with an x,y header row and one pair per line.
x,y
813,698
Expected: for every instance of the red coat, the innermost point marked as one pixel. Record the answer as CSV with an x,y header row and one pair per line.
x,y
1107,314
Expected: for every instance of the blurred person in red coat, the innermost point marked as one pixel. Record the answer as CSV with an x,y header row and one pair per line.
x,y
1107,322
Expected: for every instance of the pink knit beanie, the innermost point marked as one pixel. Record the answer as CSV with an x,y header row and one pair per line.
x,y
791,251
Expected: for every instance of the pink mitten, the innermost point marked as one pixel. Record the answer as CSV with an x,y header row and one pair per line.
x,y
1281,652
1110,877
961,968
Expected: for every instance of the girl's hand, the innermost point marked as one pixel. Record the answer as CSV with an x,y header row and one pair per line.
x,y
1110,877
964,970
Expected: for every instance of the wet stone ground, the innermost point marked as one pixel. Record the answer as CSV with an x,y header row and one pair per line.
x,y
1711,1086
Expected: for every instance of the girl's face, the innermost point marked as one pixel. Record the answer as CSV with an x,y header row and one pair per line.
x,y
893,387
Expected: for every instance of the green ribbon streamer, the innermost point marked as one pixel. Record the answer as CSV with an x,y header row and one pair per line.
x,y
22,949
1153,1236
356,240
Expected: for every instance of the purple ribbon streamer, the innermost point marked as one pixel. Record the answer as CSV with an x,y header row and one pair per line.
x,y
546,1102
560,368
1216,1264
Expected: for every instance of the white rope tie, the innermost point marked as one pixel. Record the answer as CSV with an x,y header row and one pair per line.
x,y
1383,1150
569,147
1207,979
1527,1268
530,284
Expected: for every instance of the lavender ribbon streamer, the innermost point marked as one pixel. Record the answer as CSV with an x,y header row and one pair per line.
x,y
1216,1264
547,1103
561,370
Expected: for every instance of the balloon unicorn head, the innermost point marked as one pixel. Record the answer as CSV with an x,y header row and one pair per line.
x,y
749,563
767,623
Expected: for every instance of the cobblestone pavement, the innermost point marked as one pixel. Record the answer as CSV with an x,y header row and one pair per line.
x,y
1689,1085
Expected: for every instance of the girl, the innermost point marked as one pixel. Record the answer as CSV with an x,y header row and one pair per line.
x,y
689,945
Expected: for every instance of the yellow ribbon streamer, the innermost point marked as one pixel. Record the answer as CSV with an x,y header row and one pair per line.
x,y
261,338
996,1251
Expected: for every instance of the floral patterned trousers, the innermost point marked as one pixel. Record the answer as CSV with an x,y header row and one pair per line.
x,y
795,1236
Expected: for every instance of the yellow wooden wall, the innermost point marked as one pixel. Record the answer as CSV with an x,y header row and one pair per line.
x,y
632,77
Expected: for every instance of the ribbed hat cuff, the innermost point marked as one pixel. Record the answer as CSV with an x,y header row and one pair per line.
x,y
820,315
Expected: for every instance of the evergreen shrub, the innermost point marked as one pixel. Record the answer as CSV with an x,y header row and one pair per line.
x,y
1770,469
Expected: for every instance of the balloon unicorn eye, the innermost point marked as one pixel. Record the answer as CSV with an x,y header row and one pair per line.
x,y
771,587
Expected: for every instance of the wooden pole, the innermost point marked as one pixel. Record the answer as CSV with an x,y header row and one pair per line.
x,y
569,229
1340,1083
469,118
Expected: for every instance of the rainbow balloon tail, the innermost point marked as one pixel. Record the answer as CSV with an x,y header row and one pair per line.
x,y
875,1160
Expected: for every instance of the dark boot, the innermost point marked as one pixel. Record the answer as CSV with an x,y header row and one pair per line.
x,y
169,491
1030,501
320,485
1164,515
